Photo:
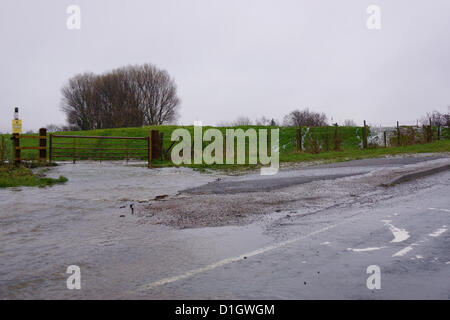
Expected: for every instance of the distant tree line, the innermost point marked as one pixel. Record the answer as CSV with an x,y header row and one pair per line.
x,y
305,117
130,96
437,118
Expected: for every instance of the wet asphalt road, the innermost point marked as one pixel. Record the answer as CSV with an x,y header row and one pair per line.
x,y
255,182
312,254
326,255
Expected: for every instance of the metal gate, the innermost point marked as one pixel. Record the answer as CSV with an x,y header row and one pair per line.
x,y
73,148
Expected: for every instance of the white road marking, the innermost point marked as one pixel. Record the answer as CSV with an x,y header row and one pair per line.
x,y
223,262
365,249
325,243
399,234
403,252
438,232
446,210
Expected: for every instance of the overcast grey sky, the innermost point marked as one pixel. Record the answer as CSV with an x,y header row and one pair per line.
x,y
235,57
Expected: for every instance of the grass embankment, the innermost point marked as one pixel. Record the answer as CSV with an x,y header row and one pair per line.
x,y
318,143
22,176
355,154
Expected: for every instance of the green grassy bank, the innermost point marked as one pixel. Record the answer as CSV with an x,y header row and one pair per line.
x,y
319,143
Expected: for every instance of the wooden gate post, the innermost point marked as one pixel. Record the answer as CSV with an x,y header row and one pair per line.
x,y
74,151
50,158
16,149
385,139
154,145
2,150
161,143
149,147
42,145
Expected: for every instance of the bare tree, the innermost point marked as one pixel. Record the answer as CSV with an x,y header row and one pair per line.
x,y
77,105
447,117
125,97
157,95
437,118
263,121
54,128
242,121
349,123
298,118
224,123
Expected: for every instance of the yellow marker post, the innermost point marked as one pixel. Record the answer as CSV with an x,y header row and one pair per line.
x,y
17,126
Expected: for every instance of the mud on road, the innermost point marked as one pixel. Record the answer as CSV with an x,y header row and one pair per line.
x,y
240,200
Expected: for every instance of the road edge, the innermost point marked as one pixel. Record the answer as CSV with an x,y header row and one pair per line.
x,y
416,175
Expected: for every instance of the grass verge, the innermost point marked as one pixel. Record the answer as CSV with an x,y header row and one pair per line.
x,y
21,176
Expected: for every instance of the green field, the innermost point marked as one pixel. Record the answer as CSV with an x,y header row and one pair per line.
x,y
319,144
21,176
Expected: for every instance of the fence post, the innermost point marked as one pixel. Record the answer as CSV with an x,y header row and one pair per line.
x,y
2,150
364,134
161,143
43,144
74,150
398,134
50,150
439,132
430,133
100,144
16,148
126,146
149,147
336,139
299,138
155,147
385,139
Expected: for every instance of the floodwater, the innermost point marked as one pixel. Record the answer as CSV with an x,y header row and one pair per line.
x,y
88,222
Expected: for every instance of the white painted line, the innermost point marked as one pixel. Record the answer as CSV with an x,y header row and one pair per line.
x,y
365,249
232,259
403,251
399,234
446,210
438,232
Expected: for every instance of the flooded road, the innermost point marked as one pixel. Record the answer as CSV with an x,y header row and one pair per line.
x,y
88,222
